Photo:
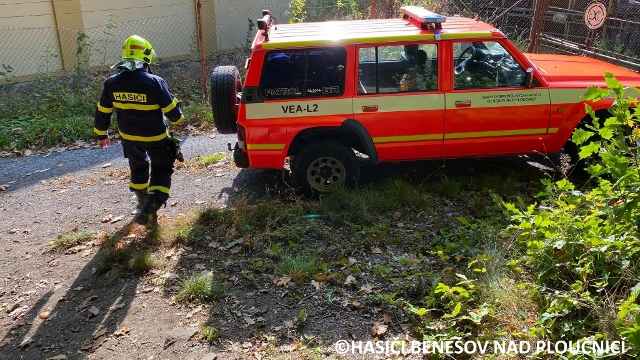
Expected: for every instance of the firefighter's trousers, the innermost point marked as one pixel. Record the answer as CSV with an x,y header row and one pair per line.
x,y
151,165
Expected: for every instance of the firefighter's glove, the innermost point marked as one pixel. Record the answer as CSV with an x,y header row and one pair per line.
x,y
174,148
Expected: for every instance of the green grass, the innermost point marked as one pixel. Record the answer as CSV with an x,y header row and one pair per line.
x,y
200,287
72,239
52,112
300,264
212,159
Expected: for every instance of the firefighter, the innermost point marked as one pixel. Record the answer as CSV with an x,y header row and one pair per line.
x,y
141,101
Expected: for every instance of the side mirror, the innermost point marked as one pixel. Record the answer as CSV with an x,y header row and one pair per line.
x,y
528,78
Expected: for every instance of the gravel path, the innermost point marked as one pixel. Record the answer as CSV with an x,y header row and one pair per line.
x,y
57,193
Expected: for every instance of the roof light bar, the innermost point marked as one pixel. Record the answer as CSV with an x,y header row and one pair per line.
x,y
423,15
265,23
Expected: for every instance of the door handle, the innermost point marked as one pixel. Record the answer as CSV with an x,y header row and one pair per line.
x,y
463,103
369,108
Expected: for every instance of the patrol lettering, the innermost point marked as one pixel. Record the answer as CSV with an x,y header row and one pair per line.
x,y
124,96
282,92
294,109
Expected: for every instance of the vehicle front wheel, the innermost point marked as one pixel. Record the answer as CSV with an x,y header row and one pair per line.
x,y
324,167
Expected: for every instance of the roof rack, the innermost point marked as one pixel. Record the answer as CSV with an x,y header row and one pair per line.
x,y
424,16
265,23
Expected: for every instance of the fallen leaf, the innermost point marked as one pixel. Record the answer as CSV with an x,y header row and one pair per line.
x,y
122,331
115,220
106,165
367,289
249,320
192,256
92,311
376,250
99,333
25,343
283,281
378,329
319,277
317,284
289,324
4,187
385,319
43,315
106,219
74,250
350,280
397,215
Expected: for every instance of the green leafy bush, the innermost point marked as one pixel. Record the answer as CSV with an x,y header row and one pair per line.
x,y
584,245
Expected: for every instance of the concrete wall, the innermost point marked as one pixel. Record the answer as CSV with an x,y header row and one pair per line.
x,y
62,35
28,37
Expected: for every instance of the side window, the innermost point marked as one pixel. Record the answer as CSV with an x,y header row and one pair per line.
x,y
303,73
397,68
482,65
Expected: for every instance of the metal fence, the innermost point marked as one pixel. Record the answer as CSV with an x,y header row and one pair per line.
x,y
562,29
558,28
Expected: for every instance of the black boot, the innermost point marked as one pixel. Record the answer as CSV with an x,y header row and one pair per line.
x,y
147,216
141,195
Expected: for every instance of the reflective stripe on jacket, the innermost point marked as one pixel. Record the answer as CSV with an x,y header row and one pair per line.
x,y
141,101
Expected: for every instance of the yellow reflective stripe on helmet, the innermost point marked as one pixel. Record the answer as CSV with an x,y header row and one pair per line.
x,y
265,146
105,110
99,132
159,188
143,138
138,186
171,106
468,135
177,121
135,106
385,139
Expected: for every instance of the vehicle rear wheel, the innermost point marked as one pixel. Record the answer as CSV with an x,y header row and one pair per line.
x,y
225,86
324,167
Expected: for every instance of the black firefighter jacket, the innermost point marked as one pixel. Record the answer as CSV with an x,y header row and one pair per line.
x,y
141,101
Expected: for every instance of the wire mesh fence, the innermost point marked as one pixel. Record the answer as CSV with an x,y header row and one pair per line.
x,y
617,39
31,52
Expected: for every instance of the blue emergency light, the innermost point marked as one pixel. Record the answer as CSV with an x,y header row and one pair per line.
x,y
423,15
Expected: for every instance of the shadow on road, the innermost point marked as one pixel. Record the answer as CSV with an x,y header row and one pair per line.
x,y
90,313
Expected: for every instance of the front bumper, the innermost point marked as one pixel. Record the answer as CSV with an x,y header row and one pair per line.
x,y
240,158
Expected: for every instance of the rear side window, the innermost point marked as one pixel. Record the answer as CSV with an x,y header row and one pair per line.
x,y
316,72
409,67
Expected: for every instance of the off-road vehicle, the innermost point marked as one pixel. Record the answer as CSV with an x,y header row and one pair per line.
x,y
420,86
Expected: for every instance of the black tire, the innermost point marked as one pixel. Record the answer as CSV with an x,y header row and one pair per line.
x,y
225,86
324,167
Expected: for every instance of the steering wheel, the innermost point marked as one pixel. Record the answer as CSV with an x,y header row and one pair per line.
x,y
462,62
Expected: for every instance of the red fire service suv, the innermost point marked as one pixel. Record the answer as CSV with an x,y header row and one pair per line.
x,y
423,86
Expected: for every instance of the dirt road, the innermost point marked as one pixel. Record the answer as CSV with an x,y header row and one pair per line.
x,y
51,303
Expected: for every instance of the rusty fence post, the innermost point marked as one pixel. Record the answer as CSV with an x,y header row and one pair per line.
x,y
203,60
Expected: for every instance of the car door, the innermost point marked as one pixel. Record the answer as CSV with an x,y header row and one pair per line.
x,y
398,100
489,111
